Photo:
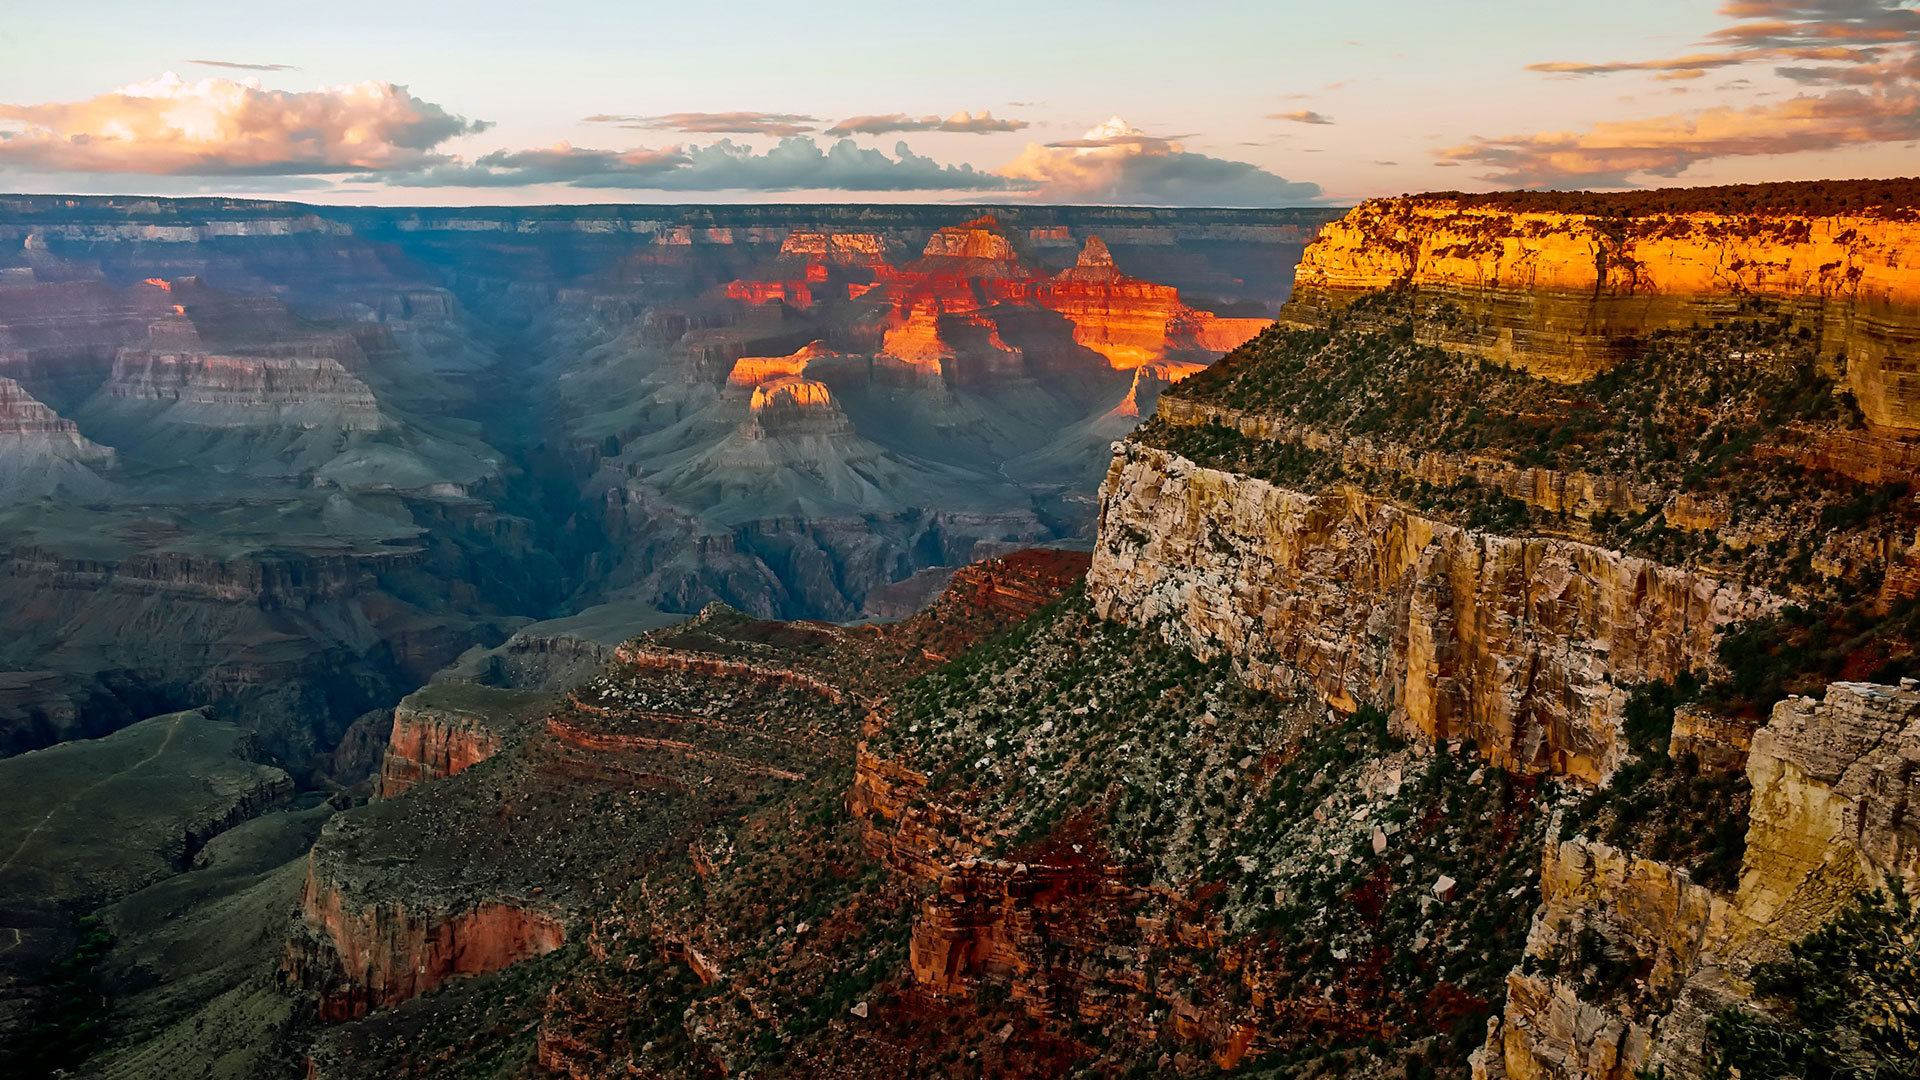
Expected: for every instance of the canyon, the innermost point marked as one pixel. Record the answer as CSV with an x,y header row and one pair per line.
x,y
299,437
1501,666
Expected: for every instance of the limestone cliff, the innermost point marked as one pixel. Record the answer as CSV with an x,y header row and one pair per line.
x,y
1522,645
1566,294
1628,959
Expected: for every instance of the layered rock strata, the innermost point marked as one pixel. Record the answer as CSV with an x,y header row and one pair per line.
x,y
1133,322
1565,295
1522,645
359,957
442,730
1831,780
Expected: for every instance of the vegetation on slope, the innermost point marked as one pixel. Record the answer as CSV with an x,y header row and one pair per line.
x,y
1723,418
1374,891
1895,197
1845,1003
1667,809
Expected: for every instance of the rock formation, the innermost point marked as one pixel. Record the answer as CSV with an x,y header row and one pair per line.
x,y
1520,645
751,371
1132,322
1828,778
44,455
442,730
355,958
1565,295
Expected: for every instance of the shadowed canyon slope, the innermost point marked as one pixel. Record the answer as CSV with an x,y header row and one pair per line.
x,y
289,461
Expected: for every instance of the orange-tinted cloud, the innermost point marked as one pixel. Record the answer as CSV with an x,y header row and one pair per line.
x,y
1118,163
1609,154
1867,78
1695,61
1302,116
217,127
963,122
722,123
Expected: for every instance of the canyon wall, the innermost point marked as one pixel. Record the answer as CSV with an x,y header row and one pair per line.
x,y
1831,780
1566,295
1524,646
444,729
356,955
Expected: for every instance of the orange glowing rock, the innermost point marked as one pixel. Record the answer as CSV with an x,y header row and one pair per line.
x,y
160,283
964,268
847,249
980,238
1566,295
754,370
791,392
1152,378
808,260
917,340
793,293
1133,322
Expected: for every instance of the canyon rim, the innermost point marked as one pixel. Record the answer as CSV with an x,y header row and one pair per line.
x,y
862,541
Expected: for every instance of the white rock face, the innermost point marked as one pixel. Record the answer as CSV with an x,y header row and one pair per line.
x,y
1522,645
1832,779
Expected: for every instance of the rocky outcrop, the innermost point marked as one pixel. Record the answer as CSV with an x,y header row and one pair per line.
x,y
1017,584
445,729
749,371
841,248
215,390
43,454
1832,779
1148,380
1522,645
790,405
1133,322
1832,783
354,956
1565,295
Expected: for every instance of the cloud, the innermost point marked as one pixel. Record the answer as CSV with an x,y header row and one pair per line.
x,y
796,163
1610,154
1858,59
962,122
1302,116
723,123
1118,163
238,66
218,127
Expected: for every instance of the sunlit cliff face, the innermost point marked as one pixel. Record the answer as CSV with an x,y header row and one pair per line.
x,y
855,249
1561,294
790,392
1133,322
754,370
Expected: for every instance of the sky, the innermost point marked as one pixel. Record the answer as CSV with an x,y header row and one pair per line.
x,y
1276,103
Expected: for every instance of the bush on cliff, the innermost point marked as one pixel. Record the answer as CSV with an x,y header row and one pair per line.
x,y
1846,1002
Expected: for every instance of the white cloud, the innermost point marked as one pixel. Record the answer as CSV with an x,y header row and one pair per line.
x,y
218,127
